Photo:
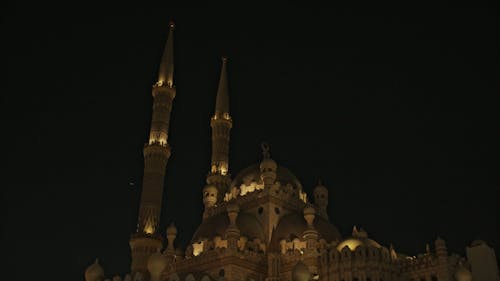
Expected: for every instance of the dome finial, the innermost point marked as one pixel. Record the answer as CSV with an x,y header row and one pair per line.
x,y
265,150
94,272
354,231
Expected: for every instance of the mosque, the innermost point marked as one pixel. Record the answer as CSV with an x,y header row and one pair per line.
x,y
260,224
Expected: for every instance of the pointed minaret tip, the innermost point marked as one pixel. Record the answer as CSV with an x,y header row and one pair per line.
x,y
265,150
222,100
166,71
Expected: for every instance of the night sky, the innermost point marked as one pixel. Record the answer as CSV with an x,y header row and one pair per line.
x,y
394,109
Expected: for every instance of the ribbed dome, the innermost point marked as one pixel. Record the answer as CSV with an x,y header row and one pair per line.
x,y
252,174
293,225
216,226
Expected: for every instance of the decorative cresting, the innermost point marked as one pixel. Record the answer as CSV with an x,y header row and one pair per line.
x,y
218,179
147,240
267,167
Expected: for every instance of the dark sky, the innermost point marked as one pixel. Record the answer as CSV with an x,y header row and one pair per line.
x,y
394,109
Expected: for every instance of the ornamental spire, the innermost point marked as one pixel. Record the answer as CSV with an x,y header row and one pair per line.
x,y
222,101
166,71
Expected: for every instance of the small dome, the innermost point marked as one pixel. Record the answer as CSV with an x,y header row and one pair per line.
x,y
463,274
171,229
94,272
157,263
301,272
309,210
320,188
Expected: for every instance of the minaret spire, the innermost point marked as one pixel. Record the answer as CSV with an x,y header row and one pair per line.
x,y
218,179
222,101
147,240
166,71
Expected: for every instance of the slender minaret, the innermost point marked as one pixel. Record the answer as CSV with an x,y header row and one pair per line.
x,y
147,239
218,179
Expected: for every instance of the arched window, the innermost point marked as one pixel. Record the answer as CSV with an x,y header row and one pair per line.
x,y
434,278
221,272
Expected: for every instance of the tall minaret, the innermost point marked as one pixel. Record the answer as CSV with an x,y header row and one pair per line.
x,y
147,239
218,179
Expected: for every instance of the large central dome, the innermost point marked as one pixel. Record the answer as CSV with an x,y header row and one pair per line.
x,y
251,175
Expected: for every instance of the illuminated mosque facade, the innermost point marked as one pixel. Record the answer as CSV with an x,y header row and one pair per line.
x,y
260,225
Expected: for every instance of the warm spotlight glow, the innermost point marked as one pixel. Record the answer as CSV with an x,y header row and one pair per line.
x,y
197,248
253,186
303,196
158,140
351,243
149,229
223,170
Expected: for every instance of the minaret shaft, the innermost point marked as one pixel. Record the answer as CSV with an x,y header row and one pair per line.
x,y
220,145
147,239
160,121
